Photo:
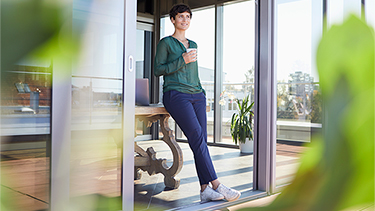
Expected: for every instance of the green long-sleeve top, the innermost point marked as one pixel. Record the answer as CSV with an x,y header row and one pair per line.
x,y
170,64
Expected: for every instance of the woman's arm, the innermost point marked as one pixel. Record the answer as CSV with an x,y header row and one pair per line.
x,y
161,67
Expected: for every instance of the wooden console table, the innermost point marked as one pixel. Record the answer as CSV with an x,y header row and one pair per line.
x,y
146,160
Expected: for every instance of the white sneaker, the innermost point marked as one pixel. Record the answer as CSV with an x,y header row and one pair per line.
x,y
210,194
228,193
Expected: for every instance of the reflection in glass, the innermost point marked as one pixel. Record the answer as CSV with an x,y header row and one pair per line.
x,y
96,143
298,28
25,135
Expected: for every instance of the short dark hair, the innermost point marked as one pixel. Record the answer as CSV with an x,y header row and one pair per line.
x,y
179,8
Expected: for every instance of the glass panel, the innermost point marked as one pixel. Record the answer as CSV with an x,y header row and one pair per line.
x,y
142,131
140,54
166,29
206,58
298,27
25,134
338,10
238,61
96,144
370,15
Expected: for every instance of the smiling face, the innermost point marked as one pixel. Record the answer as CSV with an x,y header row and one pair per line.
x,y
181,21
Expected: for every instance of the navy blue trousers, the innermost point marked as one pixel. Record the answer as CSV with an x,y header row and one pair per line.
x,y
189,112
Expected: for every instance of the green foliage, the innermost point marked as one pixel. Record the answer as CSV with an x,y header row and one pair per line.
x,y
37,29
287,111
285,108
337,171
241,122
316,108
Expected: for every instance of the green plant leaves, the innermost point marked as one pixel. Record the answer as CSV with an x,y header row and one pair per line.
x,y
41,29
344,50
241,127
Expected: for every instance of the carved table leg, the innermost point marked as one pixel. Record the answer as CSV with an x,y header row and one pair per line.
x,y
170,180
153,165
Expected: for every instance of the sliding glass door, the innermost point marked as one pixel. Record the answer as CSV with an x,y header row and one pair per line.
x,y
64,144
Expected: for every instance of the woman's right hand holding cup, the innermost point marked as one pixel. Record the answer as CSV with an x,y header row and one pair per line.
x,y
190,55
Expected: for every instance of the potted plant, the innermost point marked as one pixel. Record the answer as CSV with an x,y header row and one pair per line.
x,y
241,125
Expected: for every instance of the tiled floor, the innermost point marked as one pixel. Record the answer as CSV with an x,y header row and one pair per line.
x,y
233,169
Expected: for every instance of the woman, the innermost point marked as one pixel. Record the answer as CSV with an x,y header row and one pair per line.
x,y
185,100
